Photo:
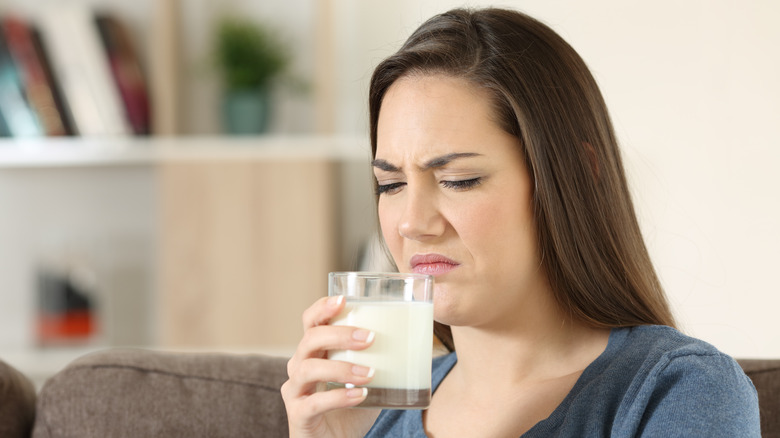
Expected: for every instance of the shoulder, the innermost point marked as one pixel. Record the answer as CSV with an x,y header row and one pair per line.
x,y
680,380
661,356
664,352
662,340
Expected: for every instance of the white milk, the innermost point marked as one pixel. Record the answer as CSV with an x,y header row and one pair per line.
x,y
402,349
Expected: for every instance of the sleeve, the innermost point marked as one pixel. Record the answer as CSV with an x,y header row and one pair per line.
x,y
700,395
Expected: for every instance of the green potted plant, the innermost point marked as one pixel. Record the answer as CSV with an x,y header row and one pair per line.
x,y
249,56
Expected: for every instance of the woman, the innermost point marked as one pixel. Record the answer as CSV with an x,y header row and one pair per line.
x,y
498,172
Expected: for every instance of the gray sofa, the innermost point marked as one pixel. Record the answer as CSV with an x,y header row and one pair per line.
x,y
139,393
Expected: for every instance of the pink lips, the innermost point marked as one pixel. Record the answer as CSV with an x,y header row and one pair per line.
x,y
432,264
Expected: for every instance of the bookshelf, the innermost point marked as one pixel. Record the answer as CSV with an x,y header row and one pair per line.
x,y
230,238
173,42
128,202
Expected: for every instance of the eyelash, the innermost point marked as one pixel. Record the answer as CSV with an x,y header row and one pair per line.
x,y
384,188
455,185
462,184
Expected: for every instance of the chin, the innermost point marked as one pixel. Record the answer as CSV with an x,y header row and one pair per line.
x,y
444,310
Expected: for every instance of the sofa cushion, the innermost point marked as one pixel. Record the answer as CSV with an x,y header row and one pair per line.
x,y
17,403
130,393
765,374
141,393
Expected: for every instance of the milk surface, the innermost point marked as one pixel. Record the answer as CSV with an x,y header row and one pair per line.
x,y
402,349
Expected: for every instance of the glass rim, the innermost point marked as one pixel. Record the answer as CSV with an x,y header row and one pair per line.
x,y
381,275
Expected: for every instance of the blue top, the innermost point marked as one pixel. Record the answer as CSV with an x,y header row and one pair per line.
x,y
650,381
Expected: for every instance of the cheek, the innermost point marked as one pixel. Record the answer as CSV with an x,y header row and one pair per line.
x,y
498,231
388,223
482,228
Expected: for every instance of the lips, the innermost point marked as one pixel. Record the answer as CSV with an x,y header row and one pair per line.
x,y
432,264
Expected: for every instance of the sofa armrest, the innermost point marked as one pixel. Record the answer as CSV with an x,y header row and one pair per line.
x,y
17,403
133,393
765,374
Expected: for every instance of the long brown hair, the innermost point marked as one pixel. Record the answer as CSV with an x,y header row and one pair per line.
x,y
542,92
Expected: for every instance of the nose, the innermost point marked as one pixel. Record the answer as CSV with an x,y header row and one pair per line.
x,y
421,218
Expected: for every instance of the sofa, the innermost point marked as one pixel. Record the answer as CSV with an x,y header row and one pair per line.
x,y
142,393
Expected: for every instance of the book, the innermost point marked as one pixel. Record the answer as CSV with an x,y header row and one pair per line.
x,y
127,71
74,46
59,100
35,76
18,118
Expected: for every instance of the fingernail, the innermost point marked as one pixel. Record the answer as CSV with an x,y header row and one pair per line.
x,y
335,301
362,371
357,392
363,335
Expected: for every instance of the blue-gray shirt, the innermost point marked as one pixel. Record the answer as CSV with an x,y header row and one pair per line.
x,y
650,381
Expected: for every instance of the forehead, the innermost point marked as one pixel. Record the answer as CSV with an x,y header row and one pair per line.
x,y
427,115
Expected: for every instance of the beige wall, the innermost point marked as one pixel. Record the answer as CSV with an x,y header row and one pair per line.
x,y
693,91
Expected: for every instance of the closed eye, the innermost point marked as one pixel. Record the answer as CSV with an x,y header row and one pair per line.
x,y
462,184
388,188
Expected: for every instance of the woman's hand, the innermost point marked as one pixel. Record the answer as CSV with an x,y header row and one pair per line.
x,y
320,414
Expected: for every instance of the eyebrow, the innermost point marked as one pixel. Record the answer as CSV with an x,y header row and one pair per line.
x,y
433,163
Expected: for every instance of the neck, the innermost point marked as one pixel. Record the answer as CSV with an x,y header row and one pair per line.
x,y
536,346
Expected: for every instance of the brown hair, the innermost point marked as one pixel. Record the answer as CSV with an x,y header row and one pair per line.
x,y
590,242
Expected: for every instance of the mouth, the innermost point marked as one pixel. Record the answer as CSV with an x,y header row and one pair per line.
x,y
432,264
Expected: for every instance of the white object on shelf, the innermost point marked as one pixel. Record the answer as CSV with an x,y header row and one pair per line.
x,y
98,151
76,52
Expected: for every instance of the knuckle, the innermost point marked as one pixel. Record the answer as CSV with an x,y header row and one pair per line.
x,y
309,408
307,334
291,366
306,342
315,338
285,390
306,317
304,368
311,314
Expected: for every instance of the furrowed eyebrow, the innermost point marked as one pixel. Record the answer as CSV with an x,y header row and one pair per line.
x,y
430,164
384,165
446,159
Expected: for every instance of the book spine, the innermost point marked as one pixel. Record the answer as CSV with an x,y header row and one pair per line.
x,y
19,120
39,90
79,61
54,83
126,70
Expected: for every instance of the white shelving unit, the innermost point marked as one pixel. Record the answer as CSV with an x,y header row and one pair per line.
x,y
103,196
113,151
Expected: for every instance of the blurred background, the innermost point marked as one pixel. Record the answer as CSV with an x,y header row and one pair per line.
x,y
162,187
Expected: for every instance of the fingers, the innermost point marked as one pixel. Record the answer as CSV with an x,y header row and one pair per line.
x,y
313,371
322,311
309,366
304,410
324,338
305,403
317,341
319,337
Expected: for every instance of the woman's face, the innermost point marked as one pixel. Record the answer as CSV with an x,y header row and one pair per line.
x,y
455,200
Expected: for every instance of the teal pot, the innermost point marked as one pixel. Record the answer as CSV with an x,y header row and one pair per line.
x,y
246,112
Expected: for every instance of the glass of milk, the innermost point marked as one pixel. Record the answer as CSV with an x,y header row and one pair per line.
x,y
398,308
